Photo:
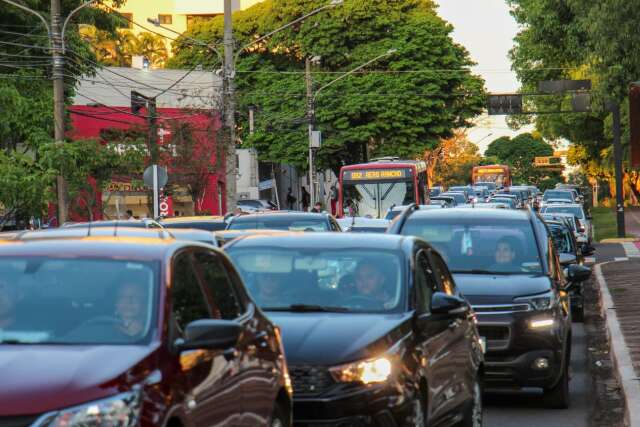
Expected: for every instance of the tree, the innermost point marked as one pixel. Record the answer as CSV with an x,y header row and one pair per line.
x,y
520,153
456,159
152,47
401,105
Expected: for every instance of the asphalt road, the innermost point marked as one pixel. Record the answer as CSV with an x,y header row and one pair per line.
x,y
525,409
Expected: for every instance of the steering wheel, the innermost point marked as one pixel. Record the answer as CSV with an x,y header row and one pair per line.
x,y
361,301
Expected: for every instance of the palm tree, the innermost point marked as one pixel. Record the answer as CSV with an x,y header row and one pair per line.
x,y
152,47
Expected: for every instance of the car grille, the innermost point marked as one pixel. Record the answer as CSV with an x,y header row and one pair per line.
x,y
18,421
310,380
501,309
497,336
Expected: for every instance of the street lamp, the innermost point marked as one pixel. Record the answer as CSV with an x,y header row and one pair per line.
x,y
311,100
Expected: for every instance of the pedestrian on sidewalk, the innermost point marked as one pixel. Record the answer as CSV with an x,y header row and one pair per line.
x,y
334,200
317,208
306,199
290,200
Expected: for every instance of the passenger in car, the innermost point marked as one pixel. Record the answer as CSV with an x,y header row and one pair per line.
x,y
8,300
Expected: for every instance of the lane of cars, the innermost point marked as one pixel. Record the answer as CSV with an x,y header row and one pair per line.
x,y
299,321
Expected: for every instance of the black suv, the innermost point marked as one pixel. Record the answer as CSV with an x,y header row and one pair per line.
x,y
505,263
374,328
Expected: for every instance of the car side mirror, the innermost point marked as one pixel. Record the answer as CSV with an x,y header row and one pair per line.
x,y
446,305
210,334
578,273
567,259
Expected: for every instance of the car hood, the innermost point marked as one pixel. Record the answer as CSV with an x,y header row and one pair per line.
x,y
500,289
40,378
333,338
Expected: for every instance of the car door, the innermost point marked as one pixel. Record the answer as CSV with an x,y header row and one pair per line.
x,y
257,360
462,338
212,377
433,346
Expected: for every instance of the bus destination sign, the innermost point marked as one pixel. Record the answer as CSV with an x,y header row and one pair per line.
x,y
375,174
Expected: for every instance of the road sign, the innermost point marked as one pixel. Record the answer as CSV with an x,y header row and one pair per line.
x,y
560,86
548,162
316,139
163,177
505,104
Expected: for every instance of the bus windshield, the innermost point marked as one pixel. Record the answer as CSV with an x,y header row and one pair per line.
x,y
374,199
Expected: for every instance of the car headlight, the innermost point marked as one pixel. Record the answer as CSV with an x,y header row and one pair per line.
x,y
367,372
122,410
541,302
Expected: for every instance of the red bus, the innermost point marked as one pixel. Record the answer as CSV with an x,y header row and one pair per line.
x,y
498,174
370,189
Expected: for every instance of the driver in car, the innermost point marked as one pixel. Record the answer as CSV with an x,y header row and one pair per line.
x,y
269,292
131,303
505,256
370,284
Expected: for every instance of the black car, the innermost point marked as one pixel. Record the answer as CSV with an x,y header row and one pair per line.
x,y
374,328
286,220
506,265
569,253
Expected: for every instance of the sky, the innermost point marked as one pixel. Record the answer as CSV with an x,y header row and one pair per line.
x,y
486,29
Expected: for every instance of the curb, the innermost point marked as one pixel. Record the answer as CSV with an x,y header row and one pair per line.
x,y
619,351
619,240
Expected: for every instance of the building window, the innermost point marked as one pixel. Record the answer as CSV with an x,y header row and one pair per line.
x,y
194,19
165,19
127,20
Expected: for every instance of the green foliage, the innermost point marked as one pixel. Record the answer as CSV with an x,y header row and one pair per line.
x,y
88,166
520,153
390,112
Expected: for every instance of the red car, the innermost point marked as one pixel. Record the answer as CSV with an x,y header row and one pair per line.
x,y
133,331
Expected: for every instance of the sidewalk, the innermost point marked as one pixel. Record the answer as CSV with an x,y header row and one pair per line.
x,y
619,281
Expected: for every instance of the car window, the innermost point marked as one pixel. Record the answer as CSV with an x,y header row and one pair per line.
x,y
574,210
561,239
198,225
480,246
224,298
425,284
188,303
443,277
354,280
286,224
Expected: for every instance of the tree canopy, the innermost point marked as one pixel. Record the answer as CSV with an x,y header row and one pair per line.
x,y
402,104
520,153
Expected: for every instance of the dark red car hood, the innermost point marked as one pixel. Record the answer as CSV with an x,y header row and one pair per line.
x,y
42,378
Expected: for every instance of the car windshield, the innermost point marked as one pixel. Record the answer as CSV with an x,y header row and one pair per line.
x,y
458,197
481,246
279,223
573,210
375,198
198,225
490,185
557,195
504,200
76,301
562,239
324,280
365,229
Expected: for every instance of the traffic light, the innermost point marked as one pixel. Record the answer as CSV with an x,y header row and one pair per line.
x,y
138,102
505,104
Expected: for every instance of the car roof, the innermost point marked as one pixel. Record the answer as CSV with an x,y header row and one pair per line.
x,y
133,243
478,212
110,223
360,221
324,241
282,214
192,219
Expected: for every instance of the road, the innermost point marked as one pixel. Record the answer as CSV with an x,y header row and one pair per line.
x,y
525,409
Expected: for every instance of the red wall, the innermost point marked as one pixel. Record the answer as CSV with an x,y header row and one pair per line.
x,y
89,121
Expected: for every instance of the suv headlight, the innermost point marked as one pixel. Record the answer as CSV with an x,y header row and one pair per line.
x,y
122,410
367,372
542,302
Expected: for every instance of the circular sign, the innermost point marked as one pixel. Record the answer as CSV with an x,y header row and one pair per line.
x,y
147,177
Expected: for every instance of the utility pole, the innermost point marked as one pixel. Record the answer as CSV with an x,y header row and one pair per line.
x,y
58,101
229,107
154,150
614,107
310,117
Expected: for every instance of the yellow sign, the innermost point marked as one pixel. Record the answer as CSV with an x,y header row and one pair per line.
x,y
371,174
123,187
487,171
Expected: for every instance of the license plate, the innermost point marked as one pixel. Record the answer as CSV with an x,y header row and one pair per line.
x,y
483,344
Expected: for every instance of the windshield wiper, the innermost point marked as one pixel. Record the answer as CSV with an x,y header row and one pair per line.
x,y
308,308
480,271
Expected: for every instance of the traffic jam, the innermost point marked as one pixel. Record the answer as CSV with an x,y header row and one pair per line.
x,y
406,308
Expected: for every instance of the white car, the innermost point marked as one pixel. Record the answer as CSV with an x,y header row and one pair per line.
x,y
574,209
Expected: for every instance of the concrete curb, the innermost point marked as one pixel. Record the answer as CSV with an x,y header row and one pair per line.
x,y
619,240
620,352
